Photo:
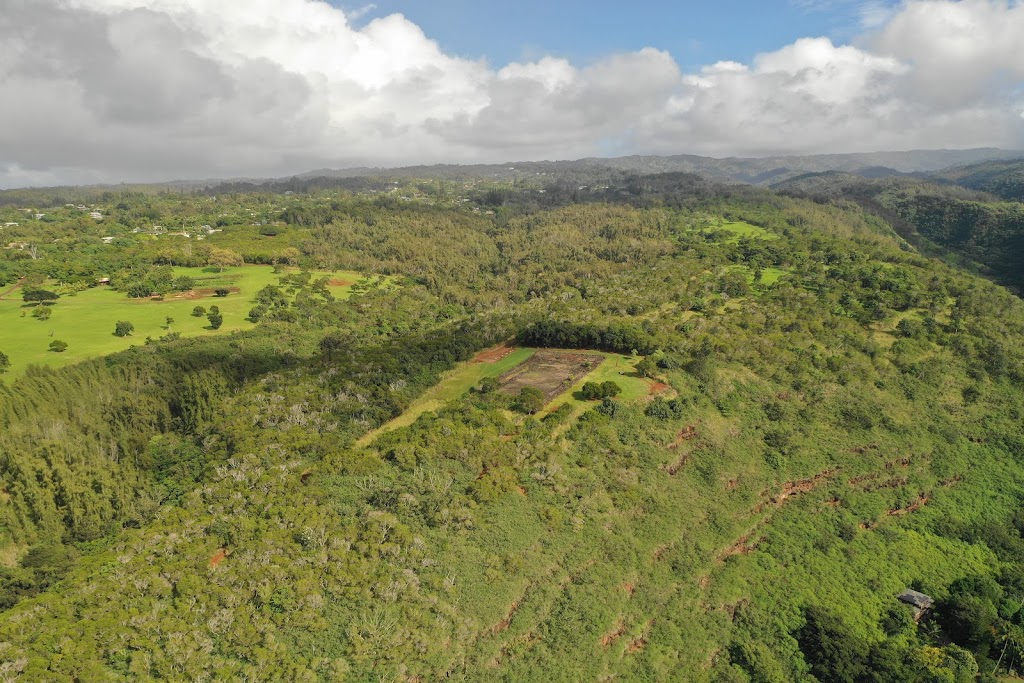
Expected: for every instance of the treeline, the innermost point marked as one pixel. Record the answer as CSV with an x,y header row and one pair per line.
x,y
615,336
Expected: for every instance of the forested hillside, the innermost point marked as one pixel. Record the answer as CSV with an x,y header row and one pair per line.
x,y
659,430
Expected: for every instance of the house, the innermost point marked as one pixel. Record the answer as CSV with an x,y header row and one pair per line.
x,y
107,240
96,214
919,601
10,225
103,281
17,245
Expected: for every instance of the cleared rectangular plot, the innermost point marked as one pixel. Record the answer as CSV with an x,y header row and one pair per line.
x,y
552,372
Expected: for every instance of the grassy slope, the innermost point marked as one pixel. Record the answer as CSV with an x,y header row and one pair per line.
x,y
86,320
456,383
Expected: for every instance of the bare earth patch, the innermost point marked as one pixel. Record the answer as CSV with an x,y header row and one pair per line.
x,y
552,372
493,355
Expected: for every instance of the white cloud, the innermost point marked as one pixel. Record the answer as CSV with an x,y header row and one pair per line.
x,y
153,89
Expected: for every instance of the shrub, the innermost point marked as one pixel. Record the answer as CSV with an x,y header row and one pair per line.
x,y
216,319
198,312
529,400
221,292
58,346
123,328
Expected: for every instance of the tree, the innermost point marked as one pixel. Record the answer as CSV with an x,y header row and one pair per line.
x,y
183,284
38,295
529,400
216,319
5,363
648,367
42,313
123,328
224,258
198,312
221,292
58,346
170,321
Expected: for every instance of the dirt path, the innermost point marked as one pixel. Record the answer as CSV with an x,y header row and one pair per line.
x,y
10,289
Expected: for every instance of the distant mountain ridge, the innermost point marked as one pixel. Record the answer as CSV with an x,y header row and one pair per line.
x,y
750,170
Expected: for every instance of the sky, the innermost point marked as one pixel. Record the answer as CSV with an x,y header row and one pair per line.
x,y
150,90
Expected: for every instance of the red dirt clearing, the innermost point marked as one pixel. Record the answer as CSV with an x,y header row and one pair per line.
x,y
336,282
658,388
219,556
613,635
493,355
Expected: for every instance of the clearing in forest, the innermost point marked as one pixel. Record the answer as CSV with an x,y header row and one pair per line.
x,y
86,319
454,384
552,372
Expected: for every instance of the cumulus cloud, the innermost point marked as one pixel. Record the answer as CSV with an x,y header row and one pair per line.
x,y
107,90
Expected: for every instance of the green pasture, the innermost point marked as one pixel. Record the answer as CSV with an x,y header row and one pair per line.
x,y
741,229
86,320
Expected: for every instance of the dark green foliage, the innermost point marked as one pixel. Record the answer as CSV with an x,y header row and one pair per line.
x,y
529,400
5,362
616,337
58,346
215,318
183,284
221,292
31,294
835,653
123,328
198,312
594,391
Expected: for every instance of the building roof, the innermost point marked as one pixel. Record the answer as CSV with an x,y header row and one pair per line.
x,y
918,600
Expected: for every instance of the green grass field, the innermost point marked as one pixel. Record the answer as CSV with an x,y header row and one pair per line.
x,y
741,229
86,320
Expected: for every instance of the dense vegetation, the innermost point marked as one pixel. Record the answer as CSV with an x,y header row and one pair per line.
x,y
833,417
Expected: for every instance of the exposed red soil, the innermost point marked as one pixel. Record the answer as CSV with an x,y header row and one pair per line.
x,y
833,503
520,490
629,588
507,621
732,484
658,388
679,464
336,282
493,355
685,434
743,546
637,644
913,507
793,488
613,635
304,477
219,556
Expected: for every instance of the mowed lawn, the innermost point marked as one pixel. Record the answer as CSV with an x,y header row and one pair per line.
x,y
86,320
